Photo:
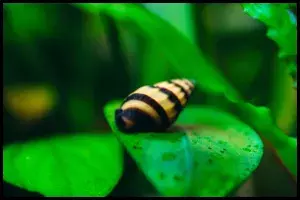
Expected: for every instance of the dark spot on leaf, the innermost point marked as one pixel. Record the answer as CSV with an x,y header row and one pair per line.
x,y
194,141
247,149
179,139
209,148
245,174
137,146
223,150
161,176
210,161
168,156
178,178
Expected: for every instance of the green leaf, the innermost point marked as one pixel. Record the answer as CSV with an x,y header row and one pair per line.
x,y
164,158
261,120
210,154
183,55
66,166
226,151
24,23
282,28
281,24
155,66
288,155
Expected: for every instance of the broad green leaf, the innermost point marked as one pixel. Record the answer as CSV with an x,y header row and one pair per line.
x,y
211,153
86,165
226,151
183,55
164,158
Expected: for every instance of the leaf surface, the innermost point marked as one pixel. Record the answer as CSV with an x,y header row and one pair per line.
x,y
66,166
207,153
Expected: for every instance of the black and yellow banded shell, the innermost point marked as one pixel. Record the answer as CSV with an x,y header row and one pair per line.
x,y
153,108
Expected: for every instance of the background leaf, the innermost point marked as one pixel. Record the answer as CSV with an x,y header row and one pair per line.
x,y
282,29
78,165
281,23
199,68
281,26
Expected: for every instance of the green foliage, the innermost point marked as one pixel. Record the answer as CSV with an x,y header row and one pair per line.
x,y
235,150
209,158
288,155
210,152
183,55
69,166
25,25
155,65
161,156
292,5
282,27
261,120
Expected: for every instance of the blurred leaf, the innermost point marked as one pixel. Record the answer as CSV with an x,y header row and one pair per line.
x,y
210,157
81,108
282,28
183,55
164,158
179,15
155,66
292,5
284,107
288,155
261,120
281,23
70,166
28,20
30,102
226,151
